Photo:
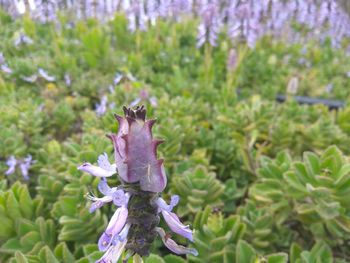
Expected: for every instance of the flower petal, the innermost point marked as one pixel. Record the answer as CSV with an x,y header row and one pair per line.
x,y
98,202
164,206
104,163
171,244
95,170
104,242
113,253
176,226
104,188
117,221
120,198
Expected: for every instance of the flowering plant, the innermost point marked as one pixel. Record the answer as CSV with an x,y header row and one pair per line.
x,y
134,225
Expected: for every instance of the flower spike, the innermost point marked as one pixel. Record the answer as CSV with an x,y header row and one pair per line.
x,y
134,224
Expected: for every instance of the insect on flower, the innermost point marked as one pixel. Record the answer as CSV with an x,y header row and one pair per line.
x,y
134,225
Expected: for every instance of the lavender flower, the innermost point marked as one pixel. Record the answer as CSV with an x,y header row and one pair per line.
x,y
144,96
210,25
24,165
67,80
23,39
134,224
136,17
11,163
45,75
6,69
101,107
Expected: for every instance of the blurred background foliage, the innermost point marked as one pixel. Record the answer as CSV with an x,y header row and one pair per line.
x,y
258,180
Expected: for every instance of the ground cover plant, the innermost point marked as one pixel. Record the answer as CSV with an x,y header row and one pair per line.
x,y
256,180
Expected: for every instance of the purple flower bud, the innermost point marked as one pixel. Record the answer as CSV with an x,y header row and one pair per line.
x,y
171,244
11,163
136,151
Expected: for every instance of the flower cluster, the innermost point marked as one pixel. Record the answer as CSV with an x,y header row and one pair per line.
x,y
246,19
134,225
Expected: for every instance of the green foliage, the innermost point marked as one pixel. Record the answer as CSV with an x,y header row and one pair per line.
x,y
197,188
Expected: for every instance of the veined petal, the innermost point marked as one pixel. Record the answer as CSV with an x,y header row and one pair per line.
x,y
171,244
117,221
113,253
176,226
95,170
104,163
164,206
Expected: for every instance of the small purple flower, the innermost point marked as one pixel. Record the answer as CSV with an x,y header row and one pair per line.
x,y
25,166
101,107
30,79
67,80
11,163
2,58
104,168
144,96
232,60
6,69
117,78
23,39
45,75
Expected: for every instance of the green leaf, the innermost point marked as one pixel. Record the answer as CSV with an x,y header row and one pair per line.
x,y
174,259
20,258
245,253
154,259
277,258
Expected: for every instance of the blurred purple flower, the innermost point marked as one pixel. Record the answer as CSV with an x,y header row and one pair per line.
x,y
67,80
210,25
11,163
23,39
101,107
136,17
25,166
45,75
6,69
144,96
